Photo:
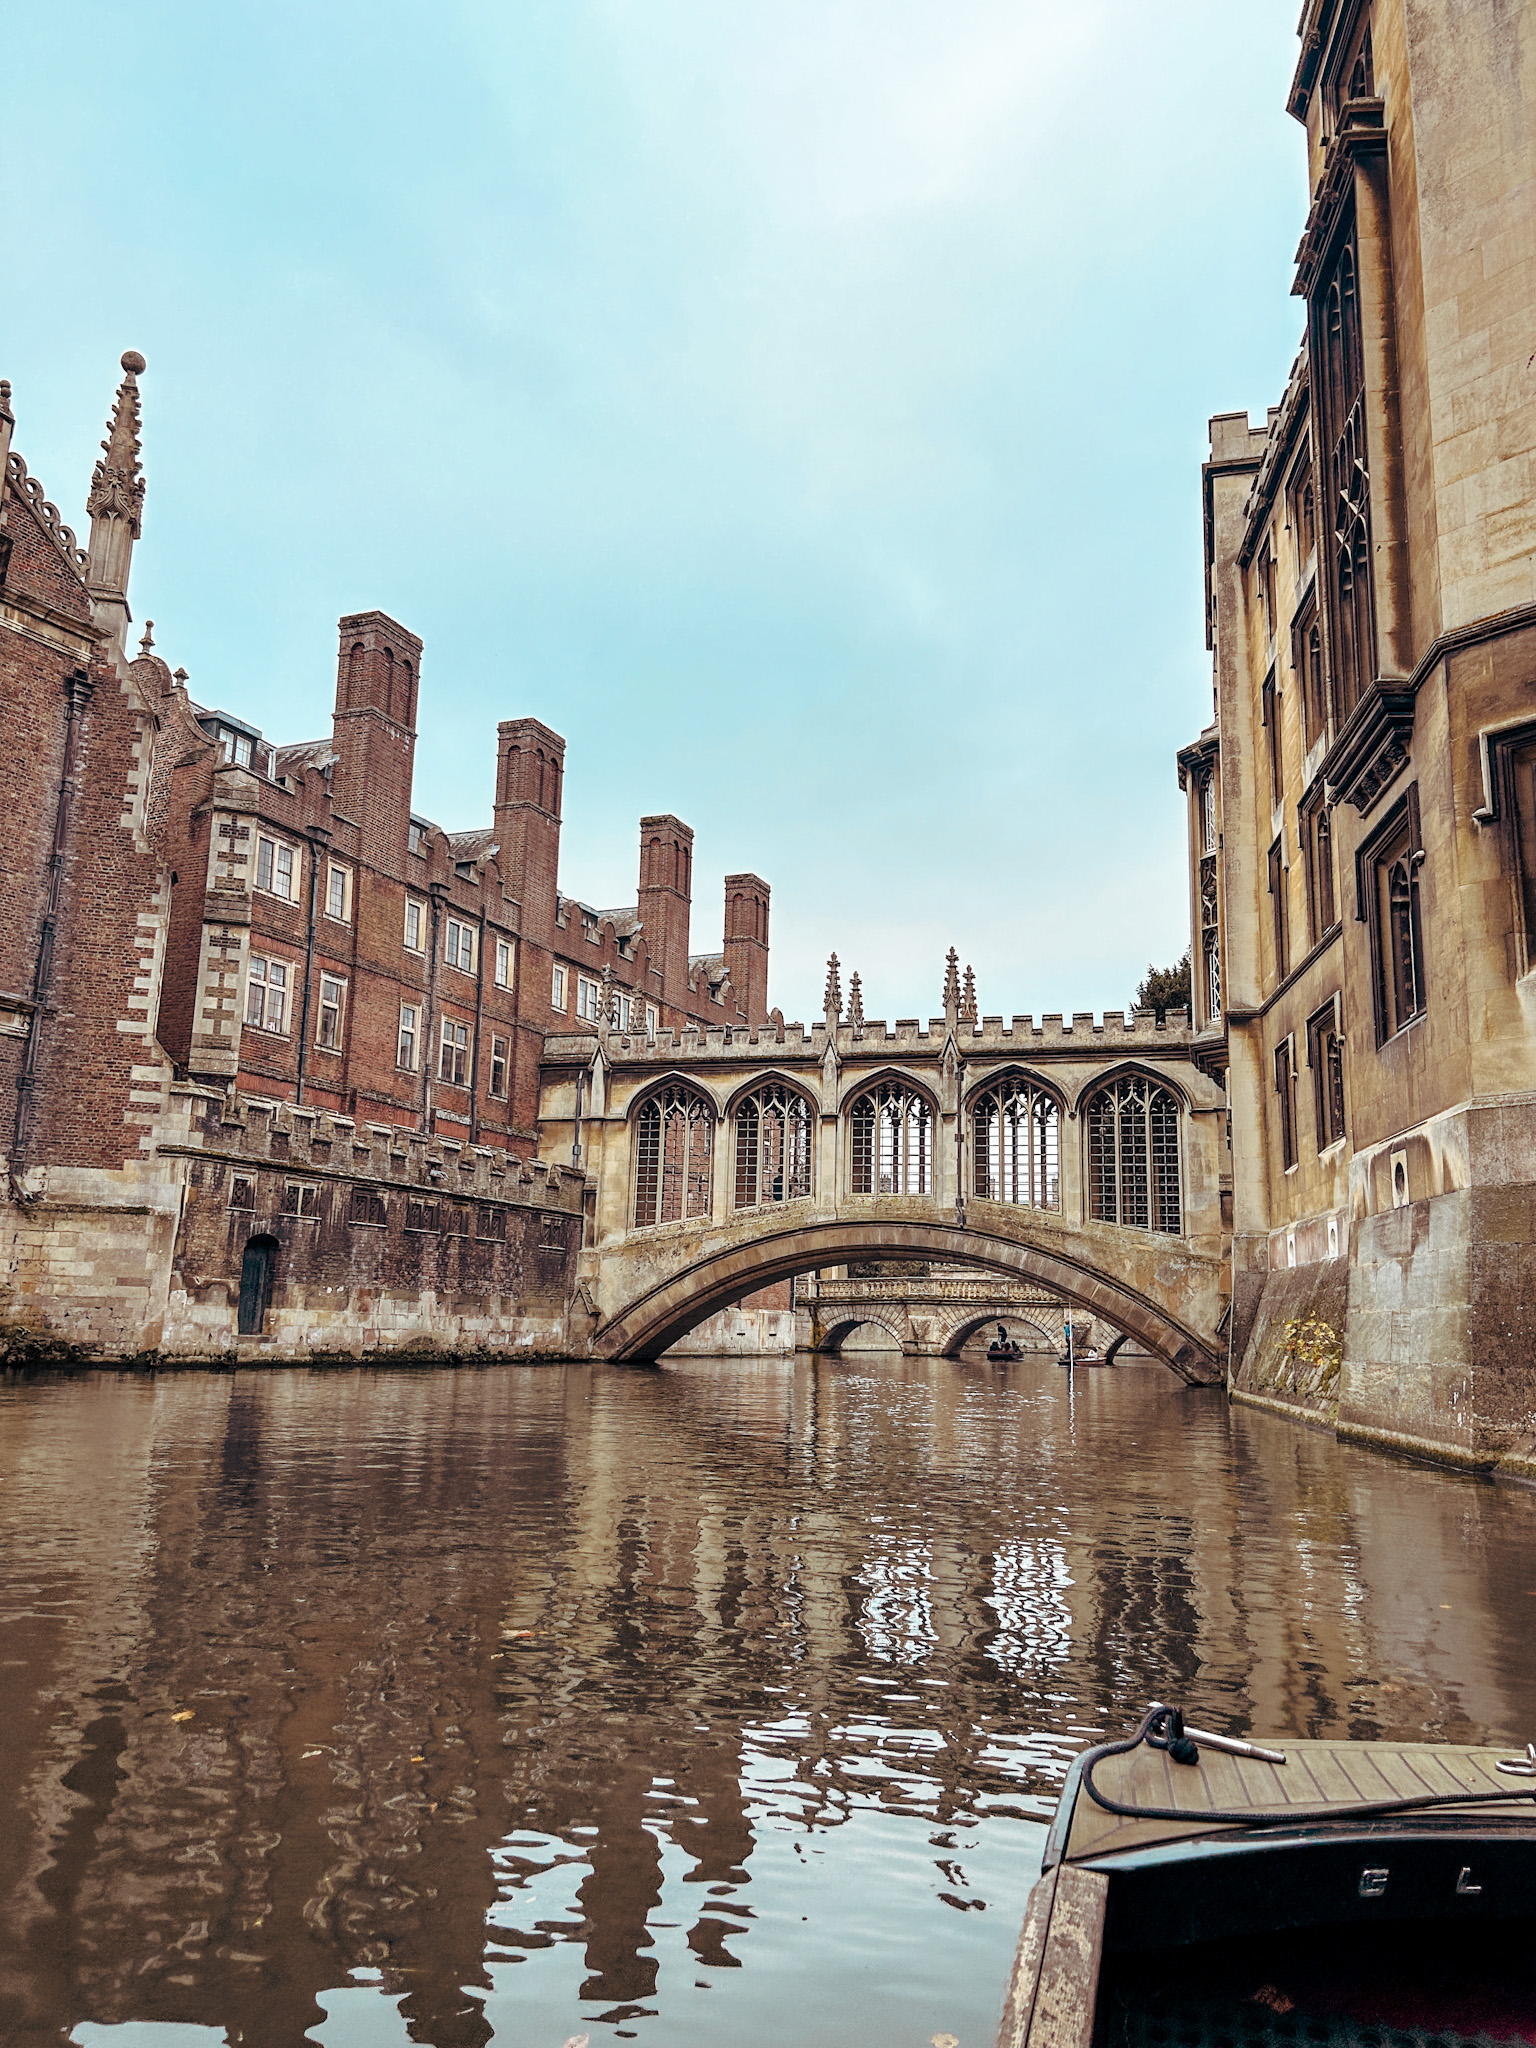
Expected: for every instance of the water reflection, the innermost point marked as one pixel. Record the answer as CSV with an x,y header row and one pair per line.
x,y
719,1705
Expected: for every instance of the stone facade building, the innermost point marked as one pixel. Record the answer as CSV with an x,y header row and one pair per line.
x,y
1362,808
272,1038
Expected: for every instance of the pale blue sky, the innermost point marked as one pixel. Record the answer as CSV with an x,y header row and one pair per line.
x,y
799,406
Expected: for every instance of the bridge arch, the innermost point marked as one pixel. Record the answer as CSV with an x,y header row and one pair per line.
x,y
716,1267
962,1333
837,1333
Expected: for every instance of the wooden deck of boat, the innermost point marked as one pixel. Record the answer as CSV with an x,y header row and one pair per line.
x,y
1053,1991
1331,1775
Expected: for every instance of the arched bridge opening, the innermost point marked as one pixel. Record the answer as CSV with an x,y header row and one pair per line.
x,y
1038,1333
712,1268
835,1335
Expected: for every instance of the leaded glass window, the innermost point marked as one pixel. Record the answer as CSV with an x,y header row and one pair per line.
x,y
1016,1144
1339,358
1133,1155
891,1127
773,1146
674,1147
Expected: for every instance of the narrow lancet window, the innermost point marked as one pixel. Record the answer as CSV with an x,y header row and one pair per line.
x,y
674,1146
1133,1155
891,1128
773,1146
1016,1141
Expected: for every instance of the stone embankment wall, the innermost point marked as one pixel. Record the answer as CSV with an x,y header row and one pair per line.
x,y
382,1243
1420,1339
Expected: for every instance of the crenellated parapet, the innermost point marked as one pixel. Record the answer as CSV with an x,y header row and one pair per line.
x,y
1081,1034
315,1143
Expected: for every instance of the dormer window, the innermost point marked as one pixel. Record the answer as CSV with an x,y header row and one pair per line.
x,y
416,837
465,870
234,746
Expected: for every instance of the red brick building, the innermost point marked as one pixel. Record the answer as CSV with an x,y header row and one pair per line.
x,y
250,1000
330,946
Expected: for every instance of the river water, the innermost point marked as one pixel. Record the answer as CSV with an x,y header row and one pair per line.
x,y
724,1704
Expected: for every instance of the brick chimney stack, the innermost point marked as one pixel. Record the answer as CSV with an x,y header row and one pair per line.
x,y
666,898
746,943
378,677
530,770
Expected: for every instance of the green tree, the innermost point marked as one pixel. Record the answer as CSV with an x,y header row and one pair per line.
x,y
1165,988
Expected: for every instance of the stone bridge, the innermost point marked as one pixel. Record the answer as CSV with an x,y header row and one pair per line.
x,y
929,1314
1082,1159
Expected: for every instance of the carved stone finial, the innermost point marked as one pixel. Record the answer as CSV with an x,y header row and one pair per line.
x,y
117,487
5,399
855,1003
147,637
116,499
832,996
968,999
952,985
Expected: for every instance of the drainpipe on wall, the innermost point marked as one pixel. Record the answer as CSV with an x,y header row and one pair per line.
x,y
78,691
436,894
318,841
474,1051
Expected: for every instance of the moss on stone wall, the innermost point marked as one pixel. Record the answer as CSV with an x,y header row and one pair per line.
x,y
1295,1348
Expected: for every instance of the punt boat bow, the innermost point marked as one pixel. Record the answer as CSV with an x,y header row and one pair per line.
x,y
1197,1890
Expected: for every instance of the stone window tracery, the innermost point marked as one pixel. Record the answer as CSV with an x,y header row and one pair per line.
x,y
773,1146
1016,1144
1208,811
1325,1056
1285,1093
674,1150
1210,939
1387,882
1316,833
891,1127
1133,1155
1339,355
1279,908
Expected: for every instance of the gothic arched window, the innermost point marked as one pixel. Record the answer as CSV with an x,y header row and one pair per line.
x,y
1339,357
892,1129
1016,1143
674,1149
1133,1155
773,1146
